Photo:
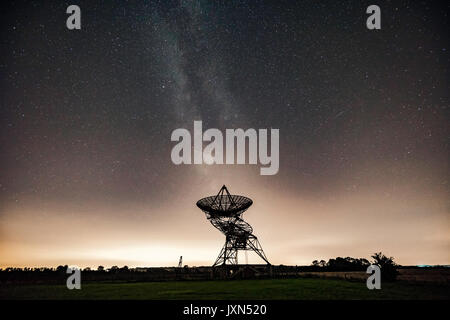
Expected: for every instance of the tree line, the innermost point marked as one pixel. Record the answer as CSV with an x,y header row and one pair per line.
x,y
387,265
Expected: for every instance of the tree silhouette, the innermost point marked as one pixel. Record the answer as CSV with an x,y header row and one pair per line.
x,y
62,269
387,265
114,269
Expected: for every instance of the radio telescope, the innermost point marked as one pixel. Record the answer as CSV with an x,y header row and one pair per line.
x,y
224,211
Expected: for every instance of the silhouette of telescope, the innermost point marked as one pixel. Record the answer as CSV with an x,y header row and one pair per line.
x,y
224,204
224,211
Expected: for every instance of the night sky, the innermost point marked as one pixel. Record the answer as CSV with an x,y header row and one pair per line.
x,y
86,117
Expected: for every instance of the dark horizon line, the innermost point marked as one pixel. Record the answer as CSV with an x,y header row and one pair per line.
x,y
210,266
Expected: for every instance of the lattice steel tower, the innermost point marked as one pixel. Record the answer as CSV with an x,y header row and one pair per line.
x,y
224,211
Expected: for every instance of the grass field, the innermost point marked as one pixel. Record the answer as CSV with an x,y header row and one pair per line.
x,y
303,288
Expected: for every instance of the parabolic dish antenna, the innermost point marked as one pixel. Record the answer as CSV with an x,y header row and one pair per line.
x,y
224,211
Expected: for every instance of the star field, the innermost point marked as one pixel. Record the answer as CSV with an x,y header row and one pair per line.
x,y
86,115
